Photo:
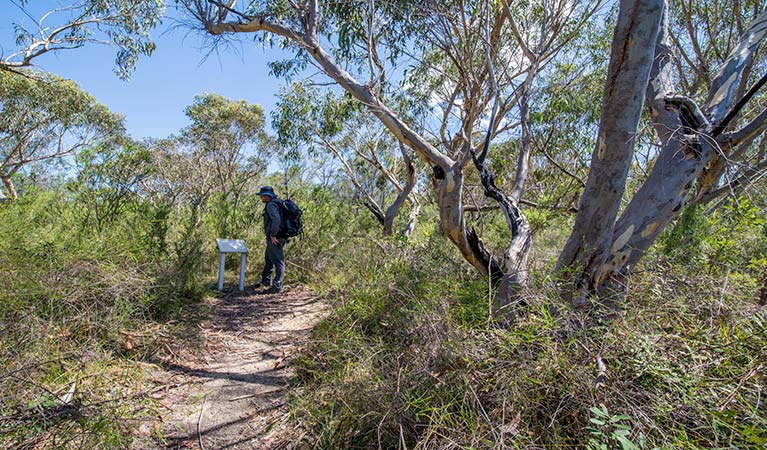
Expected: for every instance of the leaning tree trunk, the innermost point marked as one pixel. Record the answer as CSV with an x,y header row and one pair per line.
x,y
631,58
449,190
512,273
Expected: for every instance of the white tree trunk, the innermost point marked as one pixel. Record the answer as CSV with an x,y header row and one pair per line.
x,y
631,58
688,138
683,156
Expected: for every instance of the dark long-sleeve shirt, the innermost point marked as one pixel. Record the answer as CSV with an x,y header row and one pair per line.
x,y
272,218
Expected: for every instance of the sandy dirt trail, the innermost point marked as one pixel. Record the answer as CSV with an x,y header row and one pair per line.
x,y
230,391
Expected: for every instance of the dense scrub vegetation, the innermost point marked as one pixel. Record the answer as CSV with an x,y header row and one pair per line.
x,y
409,356
74,293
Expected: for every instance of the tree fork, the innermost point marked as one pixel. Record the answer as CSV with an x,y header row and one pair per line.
x,y
665,193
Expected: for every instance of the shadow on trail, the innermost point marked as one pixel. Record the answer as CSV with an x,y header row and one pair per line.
x,y
207,433
256,378
238,311
231,373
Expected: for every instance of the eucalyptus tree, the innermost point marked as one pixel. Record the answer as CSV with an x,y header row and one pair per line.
x,y
229,137
603,246
109,180
379,169
480,60
180,175
700,36
44,119
51,27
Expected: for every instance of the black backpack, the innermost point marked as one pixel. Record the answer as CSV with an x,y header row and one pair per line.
x,y
290,218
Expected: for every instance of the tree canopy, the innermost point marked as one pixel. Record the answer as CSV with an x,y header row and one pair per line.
x,y
44,118
124,24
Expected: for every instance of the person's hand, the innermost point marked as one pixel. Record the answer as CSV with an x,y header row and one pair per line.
x,y
275,241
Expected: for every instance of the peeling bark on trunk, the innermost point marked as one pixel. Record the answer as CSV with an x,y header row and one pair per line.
x,y
8,183
513,271
679,162
631,59
373,207
453,225
683,157
655,205
688,148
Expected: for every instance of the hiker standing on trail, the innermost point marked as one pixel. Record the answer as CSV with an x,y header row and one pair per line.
x,y
274,257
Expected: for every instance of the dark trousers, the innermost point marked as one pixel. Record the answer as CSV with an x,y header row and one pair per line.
x,y
274,258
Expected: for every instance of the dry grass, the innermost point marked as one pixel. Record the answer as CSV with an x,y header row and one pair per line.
x,y
408,360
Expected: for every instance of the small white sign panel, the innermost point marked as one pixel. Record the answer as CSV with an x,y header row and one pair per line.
x,y
231,246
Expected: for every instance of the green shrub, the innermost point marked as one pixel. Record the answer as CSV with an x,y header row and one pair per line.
x,y
70,293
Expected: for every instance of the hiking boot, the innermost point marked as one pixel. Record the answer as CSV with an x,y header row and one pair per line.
x,y
261,284
271,290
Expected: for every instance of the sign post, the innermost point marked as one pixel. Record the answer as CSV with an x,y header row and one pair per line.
x,y
231,246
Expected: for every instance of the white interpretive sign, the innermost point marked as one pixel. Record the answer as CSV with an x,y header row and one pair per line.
x,y
231,246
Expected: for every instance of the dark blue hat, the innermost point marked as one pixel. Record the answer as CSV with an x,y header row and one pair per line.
x,y
266,190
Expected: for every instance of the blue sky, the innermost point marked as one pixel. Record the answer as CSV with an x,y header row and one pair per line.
x,y
153,100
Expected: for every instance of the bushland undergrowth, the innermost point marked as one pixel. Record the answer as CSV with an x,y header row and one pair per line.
x,y
408,358
82,306
97,281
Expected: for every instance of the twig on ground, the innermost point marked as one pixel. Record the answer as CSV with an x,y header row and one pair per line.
x,y
602,373
601,366
242,397
199,419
